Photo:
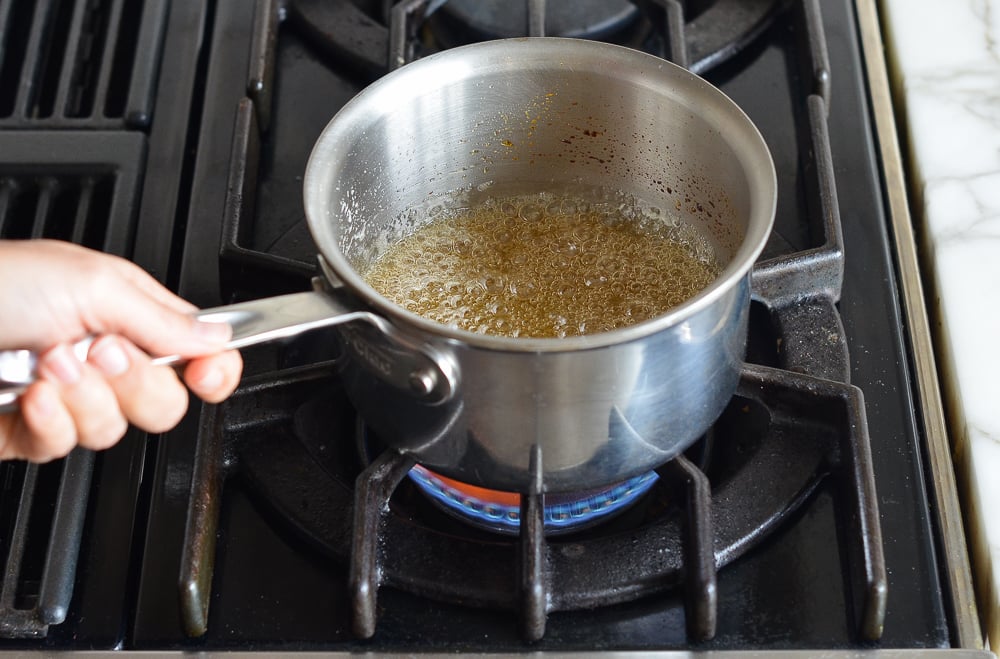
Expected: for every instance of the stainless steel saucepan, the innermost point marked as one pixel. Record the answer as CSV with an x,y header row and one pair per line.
x,y
517,117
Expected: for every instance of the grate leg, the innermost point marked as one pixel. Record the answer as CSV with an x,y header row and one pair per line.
x,y
201,529
534,576
859,490
700,593
372,490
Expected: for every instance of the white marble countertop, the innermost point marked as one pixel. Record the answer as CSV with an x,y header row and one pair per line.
x,y
945,65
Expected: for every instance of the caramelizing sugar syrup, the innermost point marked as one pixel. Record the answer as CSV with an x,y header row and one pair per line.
x,y
544,266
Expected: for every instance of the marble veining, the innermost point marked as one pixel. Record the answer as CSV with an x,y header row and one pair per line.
x,y
945,63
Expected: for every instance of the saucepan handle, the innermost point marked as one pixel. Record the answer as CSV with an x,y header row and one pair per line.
x,y
391,355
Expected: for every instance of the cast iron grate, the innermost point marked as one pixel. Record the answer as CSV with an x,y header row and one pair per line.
x,y
376,43
281,433
79,63
709,38
795,289
77,186
63,207
81,187
799,289
42,510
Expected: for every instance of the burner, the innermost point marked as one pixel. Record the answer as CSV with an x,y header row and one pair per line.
x,y
302,467
493,19
358,37
501,511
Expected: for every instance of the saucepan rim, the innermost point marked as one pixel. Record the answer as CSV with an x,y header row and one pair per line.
x,y
332,149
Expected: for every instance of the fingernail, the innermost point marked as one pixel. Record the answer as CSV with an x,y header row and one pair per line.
x,y
210,381
213,332
109,357
61,365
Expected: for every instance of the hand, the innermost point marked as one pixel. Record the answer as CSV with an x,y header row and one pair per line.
x,y
53,294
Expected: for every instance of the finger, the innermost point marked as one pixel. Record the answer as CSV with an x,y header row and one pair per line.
x,y
123,299
215,377
92,293
154,327
44,429
151,397
87,396
151,287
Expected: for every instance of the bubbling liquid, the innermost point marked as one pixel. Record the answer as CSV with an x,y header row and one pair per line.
x,y
545,267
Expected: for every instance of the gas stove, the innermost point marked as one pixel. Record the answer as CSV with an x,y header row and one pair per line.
x,y
817,513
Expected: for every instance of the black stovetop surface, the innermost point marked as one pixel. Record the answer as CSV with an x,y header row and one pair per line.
x,y
273,589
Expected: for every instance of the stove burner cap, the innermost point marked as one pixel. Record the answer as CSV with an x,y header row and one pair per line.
x,y
492,19
501,511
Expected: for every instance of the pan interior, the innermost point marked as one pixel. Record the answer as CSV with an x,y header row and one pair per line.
x,y
533,116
